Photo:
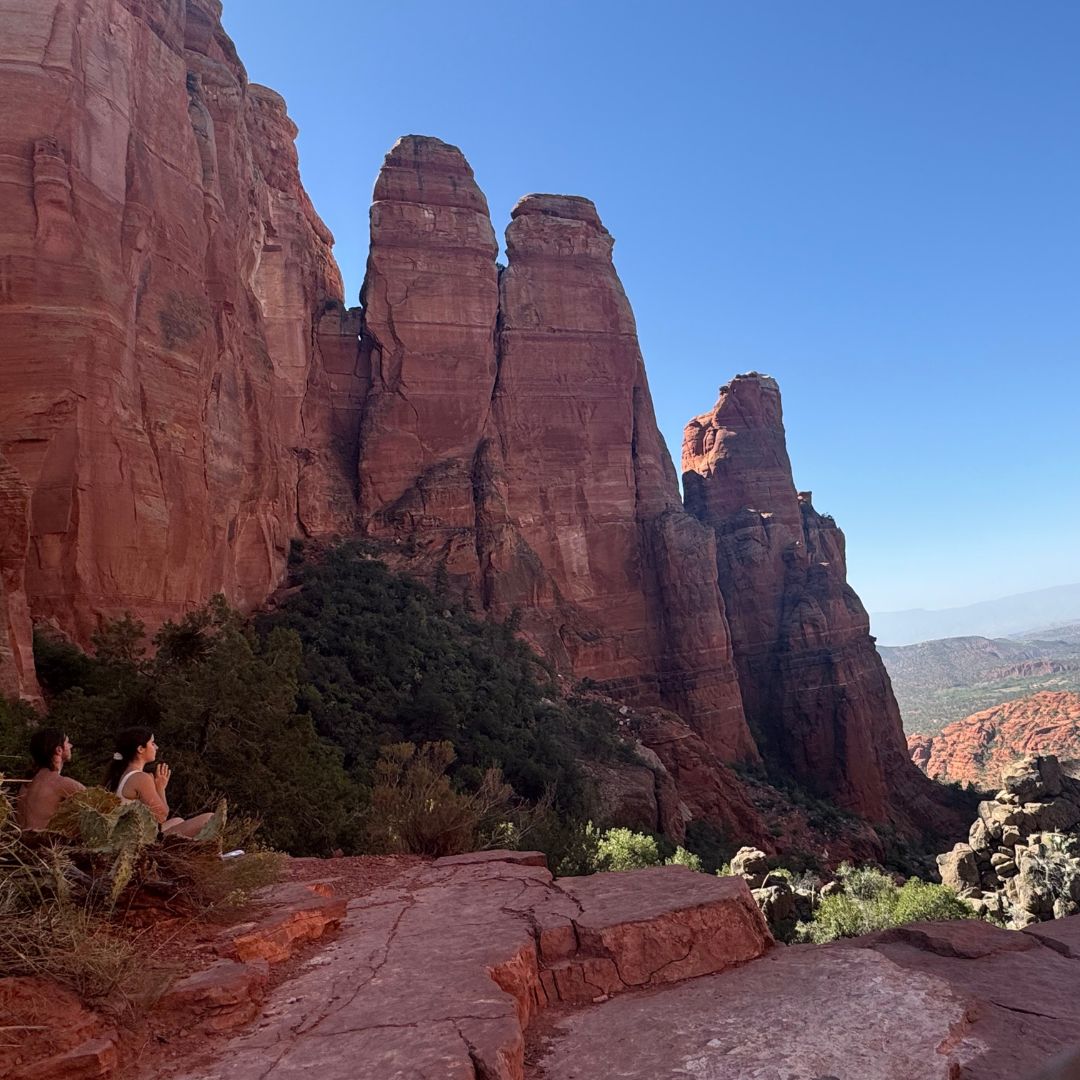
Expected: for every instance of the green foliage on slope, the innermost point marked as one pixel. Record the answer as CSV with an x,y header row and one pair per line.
x,y
221,701
871,901
387,661
287,717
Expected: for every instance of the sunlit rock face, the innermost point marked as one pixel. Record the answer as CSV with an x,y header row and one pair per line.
x,y
815,690
508,442
162,282
183,392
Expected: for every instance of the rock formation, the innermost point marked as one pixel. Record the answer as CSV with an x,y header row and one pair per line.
x,y
161,278
1021,864
508,442
977,749
184,392
814,689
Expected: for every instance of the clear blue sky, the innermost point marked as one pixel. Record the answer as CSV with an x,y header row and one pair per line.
x,y
876,202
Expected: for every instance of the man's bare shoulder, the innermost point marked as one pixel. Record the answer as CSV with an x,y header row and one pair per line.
x,y
69,785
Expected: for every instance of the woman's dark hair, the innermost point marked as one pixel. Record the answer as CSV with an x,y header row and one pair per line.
x,y
128,742
44,744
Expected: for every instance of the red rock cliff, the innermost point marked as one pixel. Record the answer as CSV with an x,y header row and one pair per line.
x,y
980,747
815,690
161,275
509,444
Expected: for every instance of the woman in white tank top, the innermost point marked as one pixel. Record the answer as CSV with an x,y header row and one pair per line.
x,y
135,749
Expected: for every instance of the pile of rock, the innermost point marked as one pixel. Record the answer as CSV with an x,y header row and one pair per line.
x,y
784,901
1021,864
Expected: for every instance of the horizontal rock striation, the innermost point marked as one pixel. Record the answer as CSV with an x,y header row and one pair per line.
x,y
509,444
814,689
162,276
980,747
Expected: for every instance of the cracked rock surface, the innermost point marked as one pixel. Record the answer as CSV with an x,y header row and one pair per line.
x,y
937,1001
440,975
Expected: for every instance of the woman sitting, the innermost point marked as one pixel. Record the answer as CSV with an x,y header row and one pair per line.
x,y
135,748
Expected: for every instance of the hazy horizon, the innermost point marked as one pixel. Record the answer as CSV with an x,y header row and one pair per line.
x,y
875,206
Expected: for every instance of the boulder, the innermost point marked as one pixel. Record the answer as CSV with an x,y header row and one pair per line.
x,y
978,837
752,864
1024,779
959,870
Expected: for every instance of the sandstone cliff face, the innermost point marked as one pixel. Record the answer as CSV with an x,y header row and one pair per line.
x,y
979,748
815,691
182,392
161,272
508,441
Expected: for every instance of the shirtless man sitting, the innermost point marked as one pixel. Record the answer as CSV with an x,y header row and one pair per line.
x,y
41,798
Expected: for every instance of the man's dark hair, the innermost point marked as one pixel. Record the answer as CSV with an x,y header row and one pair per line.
x,y
44,744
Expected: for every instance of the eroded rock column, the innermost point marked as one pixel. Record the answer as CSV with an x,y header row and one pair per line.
x,y
815,689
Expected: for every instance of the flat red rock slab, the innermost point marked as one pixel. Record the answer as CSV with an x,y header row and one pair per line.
x,y
48,1032
439,976
91,1060
1062,935
942,1001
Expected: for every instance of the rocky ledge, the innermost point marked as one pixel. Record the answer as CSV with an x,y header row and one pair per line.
x,y
441,974
935,1001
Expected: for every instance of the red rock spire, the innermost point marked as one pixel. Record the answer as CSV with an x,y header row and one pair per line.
x,y
814,687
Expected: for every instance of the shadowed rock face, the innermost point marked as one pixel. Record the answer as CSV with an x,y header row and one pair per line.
x,y
162,269
814,688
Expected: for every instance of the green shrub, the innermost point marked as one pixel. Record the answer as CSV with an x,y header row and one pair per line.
x,y
710,845
571,845
922,901
682,857
222,702
64,892
624,849
416,810
872,901
386,660
17,720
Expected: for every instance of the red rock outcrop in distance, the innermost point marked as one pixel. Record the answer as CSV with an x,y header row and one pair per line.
x,y
161,275
815,690
509,445
979,747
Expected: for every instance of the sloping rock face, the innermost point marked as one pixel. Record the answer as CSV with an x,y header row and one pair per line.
x,y
815,691
161,280
509,446
980,747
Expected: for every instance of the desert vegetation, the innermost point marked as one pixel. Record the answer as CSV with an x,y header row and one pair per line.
x,y
73,899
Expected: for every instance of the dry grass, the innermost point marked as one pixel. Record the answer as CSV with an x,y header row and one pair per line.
x,y
67,897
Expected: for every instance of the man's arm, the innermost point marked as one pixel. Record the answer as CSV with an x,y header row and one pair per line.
x,y
69,786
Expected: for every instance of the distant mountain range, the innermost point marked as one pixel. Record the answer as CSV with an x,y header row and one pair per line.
x,y
1020,614
937,682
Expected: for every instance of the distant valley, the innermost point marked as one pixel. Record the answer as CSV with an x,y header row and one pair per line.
x,y
938,682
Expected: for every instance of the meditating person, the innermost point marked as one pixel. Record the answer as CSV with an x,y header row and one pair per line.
x,y
50,749
126,775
